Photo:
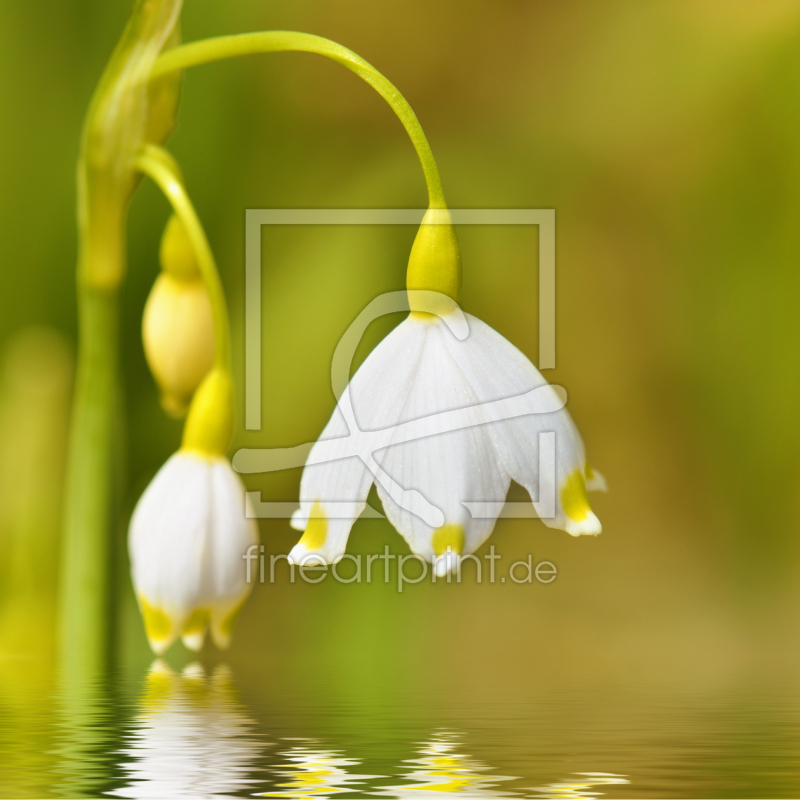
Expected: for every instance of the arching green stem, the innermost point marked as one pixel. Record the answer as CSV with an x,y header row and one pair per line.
x,y
223,47
158,164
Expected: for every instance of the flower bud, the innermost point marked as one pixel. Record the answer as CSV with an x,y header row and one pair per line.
x,y
178,328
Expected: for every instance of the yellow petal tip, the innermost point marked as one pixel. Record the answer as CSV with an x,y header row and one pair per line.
x,y
581,520
449,535
316,533
157,625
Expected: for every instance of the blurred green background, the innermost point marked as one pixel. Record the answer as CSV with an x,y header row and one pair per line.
x,y
667,137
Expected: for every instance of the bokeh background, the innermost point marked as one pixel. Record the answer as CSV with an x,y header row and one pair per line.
x,y
667,137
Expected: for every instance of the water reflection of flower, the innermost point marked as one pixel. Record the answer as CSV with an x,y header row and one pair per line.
x,y
190,738
579,787
440,769
314,772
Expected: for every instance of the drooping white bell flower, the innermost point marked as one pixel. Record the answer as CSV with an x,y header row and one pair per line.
x,y
187,538
189,533
445,419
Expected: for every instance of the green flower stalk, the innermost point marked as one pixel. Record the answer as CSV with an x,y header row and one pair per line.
x,y
222,47
189,530
435,262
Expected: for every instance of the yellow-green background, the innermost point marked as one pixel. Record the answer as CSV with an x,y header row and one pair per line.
x,y
667,137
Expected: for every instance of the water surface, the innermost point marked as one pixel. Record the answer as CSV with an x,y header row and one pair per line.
x,y
199,732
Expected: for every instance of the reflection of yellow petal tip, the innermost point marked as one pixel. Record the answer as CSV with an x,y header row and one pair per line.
x,y
157,625
193,672
193,685
317,529
451,536
222,677
159,667
157,686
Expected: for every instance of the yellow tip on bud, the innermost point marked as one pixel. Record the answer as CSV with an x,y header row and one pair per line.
x,y
177,254
435,261
209,426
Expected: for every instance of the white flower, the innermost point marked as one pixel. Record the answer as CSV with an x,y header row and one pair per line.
x,y
187,538
420,371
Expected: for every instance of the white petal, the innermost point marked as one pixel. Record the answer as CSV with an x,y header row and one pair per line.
x,y
588,525
332,496
168,541
395,423
447,562
595,482
381,385
495,369
299,520
234,532
447,468
335,476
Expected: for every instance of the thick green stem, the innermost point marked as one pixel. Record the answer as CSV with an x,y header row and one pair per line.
x,y
216,49
86,557
122,116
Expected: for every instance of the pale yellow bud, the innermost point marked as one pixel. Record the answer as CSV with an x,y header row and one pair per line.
x,y
178,328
